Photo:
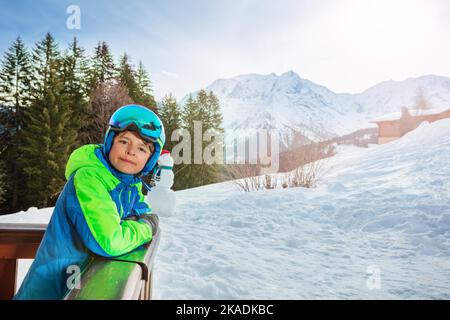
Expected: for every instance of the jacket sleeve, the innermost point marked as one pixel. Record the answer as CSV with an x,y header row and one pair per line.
x,y
99,223
141,206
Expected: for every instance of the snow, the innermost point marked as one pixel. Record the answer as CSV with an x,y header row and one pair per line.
x,y
32,215
376,227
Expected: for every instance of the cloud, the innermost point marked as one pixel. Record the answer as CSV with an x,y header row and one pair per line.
x,y
169,74
346,45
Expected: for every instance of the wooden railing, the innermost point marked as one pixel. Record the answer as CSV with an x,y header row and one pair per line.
x,y
128,277
17,241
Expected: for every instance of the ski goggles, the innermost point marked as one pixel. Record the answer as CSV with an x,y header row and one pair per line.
x,y
150,132
139,119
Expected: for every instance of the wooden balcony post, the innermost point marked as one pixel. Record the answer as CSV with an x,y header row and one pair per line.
x,y
17,241
8,271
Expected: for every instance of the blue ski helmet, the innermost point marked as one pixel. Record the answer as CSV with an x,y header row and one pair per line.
x,y
145,123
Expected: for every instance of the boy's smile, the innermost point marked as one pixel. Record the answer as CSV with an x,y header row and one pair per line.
x,y
128,161
129,153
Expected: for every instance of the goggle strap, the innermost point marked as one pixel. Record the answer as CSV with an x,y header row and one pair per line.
x,y
132,125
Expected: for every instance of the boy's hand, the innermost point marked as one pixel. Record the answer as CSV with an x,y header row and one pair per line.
x,y
133,218
152,220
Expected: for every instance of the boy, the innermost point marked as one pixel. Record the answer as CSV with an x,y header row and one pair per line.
x,y
101,209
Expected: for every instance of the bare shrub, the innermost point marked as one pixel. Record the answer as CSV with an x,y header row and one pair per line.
x,y
311,159
270,182
301,167
244,176
105,99
305,154
306,176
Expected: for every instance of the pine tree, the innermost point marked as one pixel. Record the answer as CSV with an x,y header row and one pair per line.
x,y
45,57
7,121
126,75
77,86
137,82
47,145
211,118
15,76
144,94
170,115
48,137
14,99
102,69
14,95
192,112
10,173
3,180
104,94
187,176
215,118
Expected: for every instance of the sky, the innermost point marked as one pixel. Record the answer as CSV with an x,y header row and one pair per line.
x,y
345,45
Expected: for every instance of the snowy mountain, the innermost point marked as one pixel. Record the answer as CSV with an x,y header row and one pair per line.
x,y
291,104
387,96
376,227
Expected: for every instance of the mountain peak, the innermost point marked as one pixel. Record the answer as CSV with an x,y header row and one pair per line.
x,y
293,104
291,73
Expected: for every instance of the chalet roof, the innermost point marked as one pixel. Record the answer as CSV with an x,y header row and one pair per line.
x,y
413,112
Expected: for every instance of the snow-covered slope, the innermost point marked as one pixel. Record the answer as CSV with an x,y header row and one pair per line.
x,y
291,104
377,226
384,209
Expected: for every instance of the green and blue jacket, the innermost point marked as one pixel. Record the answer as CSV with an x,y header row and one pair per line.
x,y
89,218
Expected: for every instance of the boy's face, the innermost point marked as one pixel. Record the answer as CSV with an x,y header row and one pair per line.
x,y
129,153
